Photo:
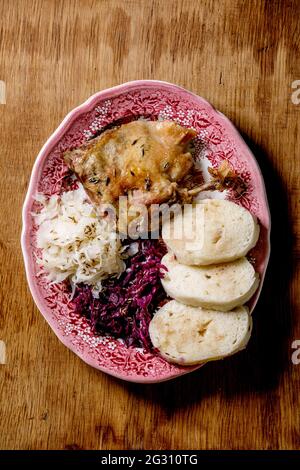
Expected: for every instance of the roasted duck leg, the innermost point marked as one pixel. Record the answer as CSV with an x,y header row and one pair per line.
x,y
147,161
143,160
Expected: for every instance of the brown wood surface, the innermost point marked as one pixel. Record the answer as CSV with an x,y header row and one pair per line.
x,y
243,57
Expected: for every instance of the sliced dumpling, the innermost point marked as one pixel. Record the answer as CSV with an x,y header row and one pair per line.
x,y
220,287
210,232
192,335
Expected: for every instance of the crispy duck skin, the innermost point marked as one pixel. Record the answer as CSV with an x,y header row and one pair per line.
x,y
144,160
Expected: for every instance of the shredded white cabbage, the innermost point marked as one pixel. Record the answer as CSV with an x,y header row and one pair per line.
x,y
75,242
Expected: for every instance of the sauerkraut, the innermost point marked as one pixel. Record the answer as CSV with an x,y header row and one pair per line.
x,y
75,243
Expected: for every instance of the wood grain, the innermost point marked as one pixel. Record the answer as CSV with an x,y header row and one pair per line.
x,y
243,57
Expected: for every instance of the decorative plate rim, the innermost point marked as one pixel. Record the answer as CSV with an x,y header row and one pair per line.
x,y
85,107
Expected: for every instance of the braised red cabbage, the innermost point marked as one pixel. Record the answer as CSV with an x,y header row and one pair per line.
x,y
126,305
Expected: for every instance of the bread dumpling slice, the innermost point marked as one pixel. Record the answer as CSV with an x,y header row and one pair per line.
x,y
210,232
192,335
219,287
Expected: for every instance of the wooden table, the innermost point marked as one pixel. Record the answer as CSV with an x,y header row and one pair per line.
x,y
243,56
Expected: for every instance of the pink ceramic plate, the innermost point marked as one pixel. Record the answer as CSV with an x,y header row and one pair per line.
x,y
217,140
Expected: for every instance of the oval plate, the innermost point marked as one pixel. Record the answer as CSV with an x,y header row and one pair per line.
x,y
218,140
